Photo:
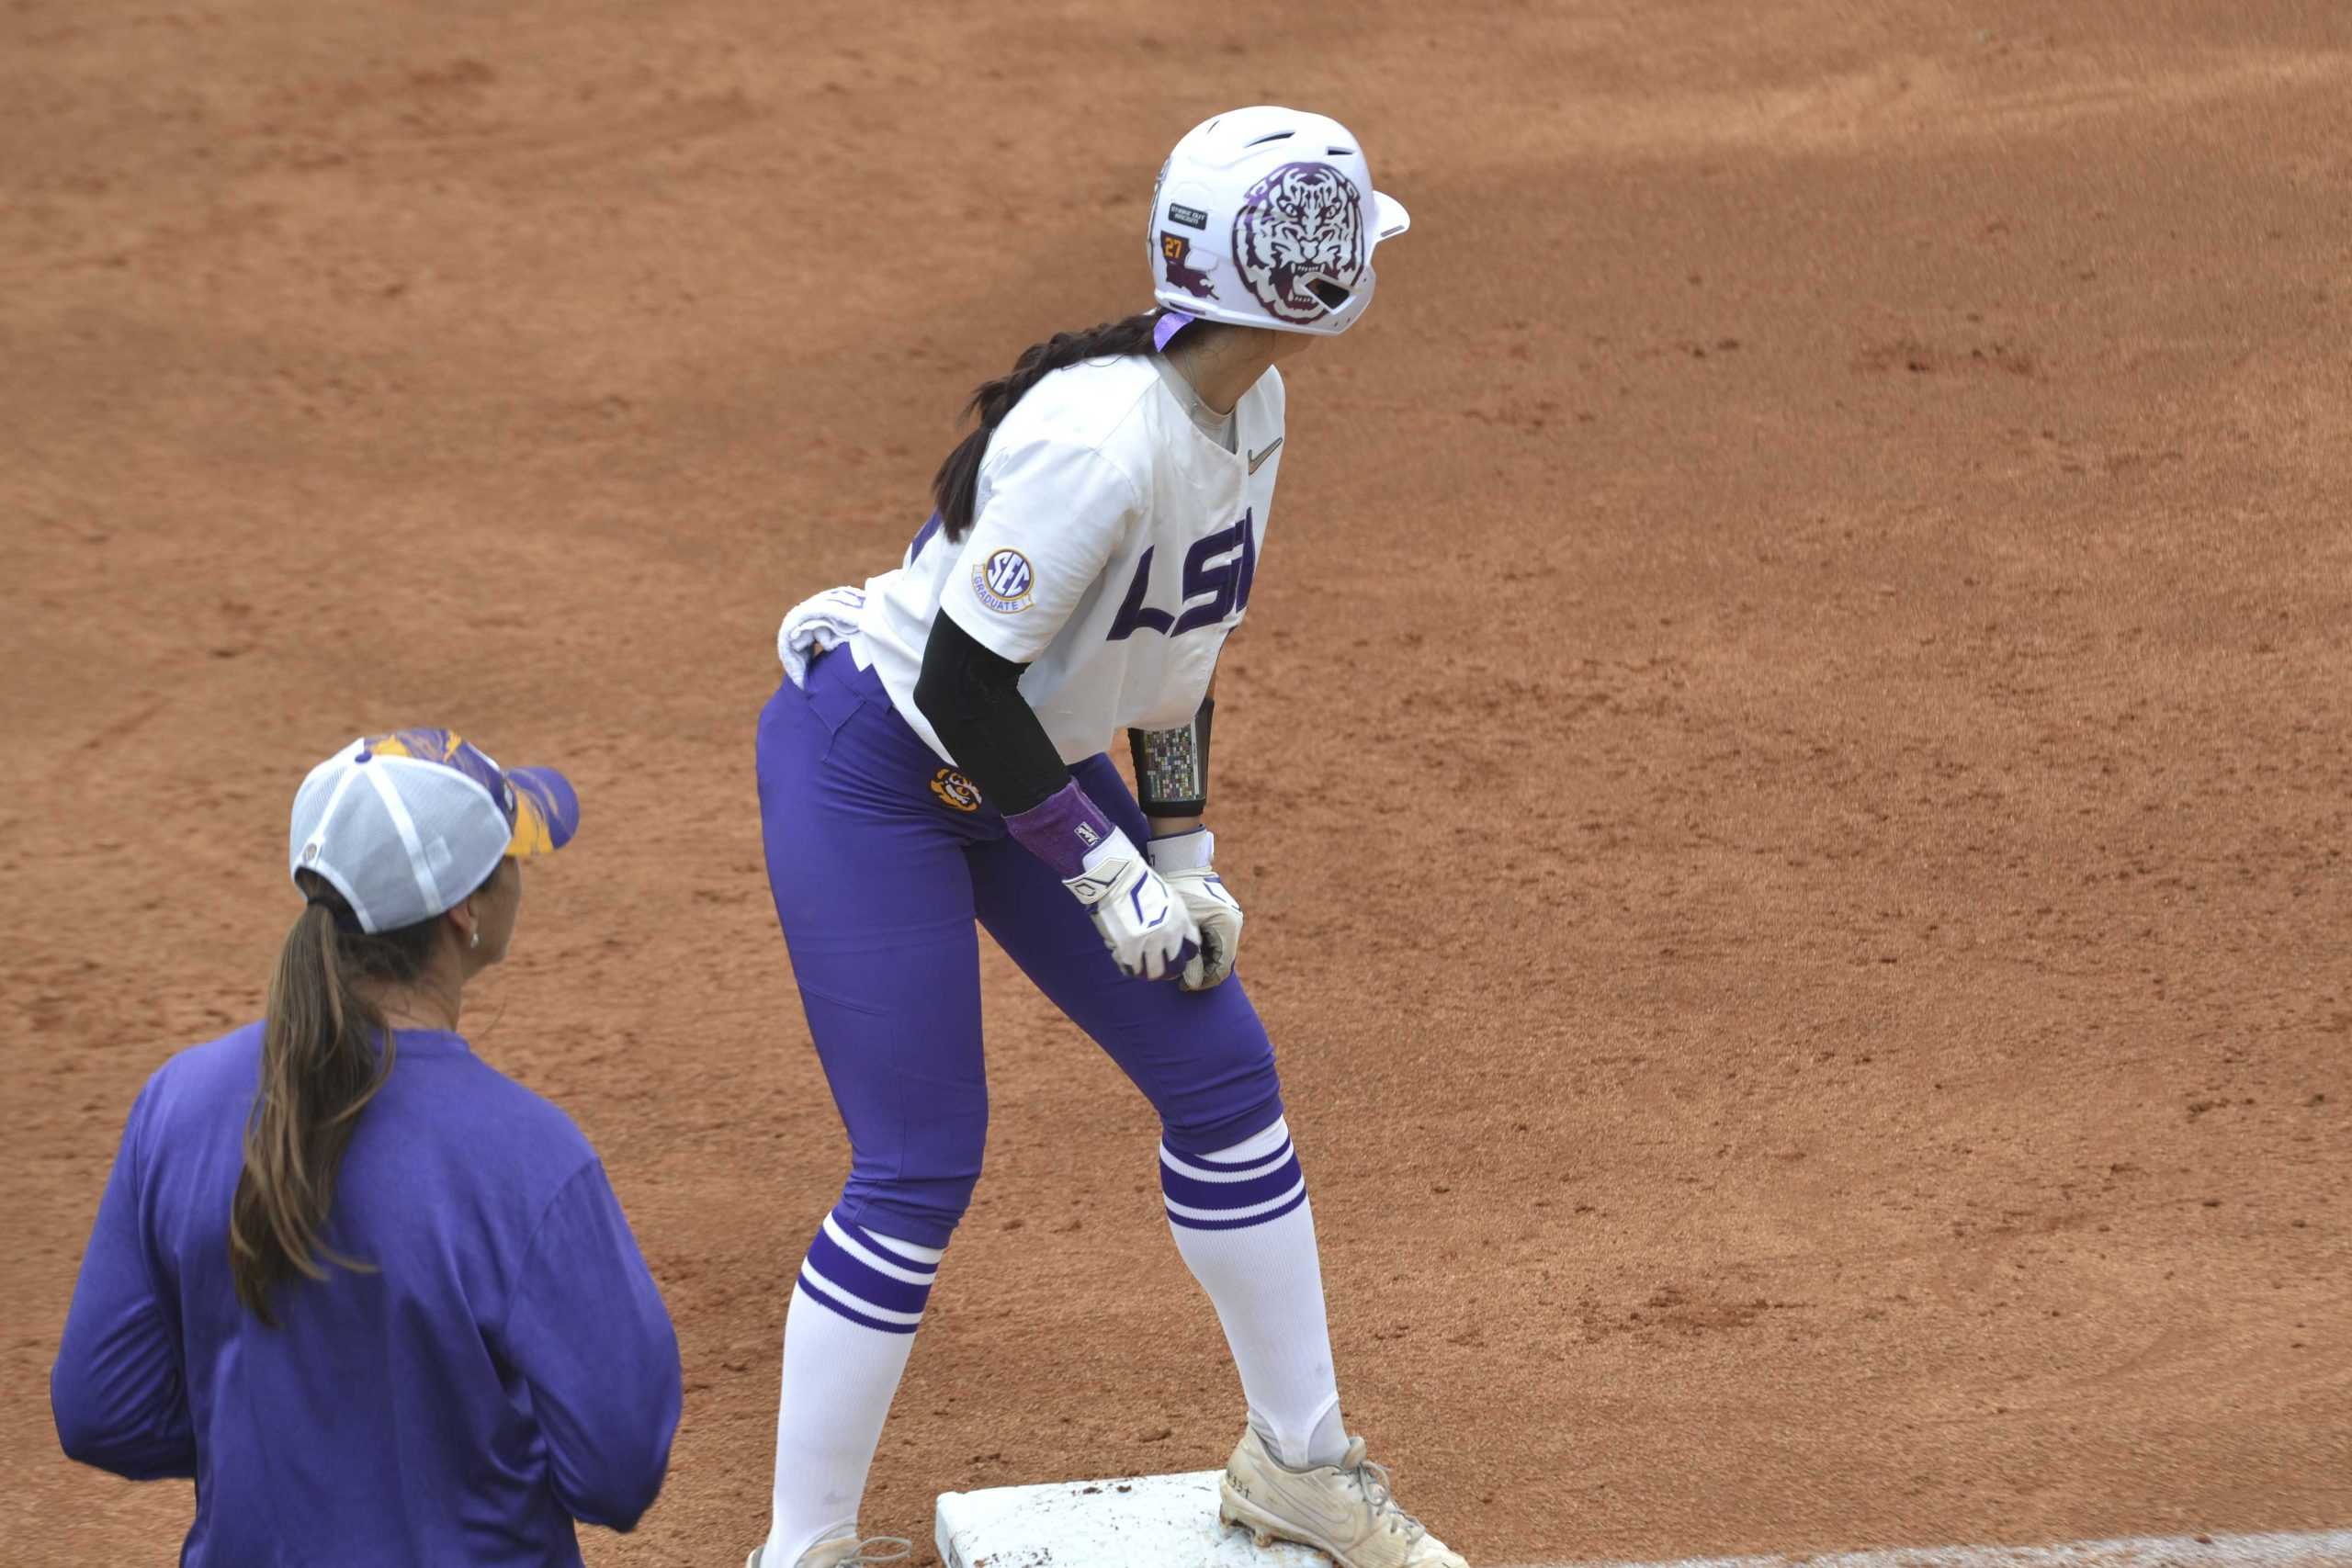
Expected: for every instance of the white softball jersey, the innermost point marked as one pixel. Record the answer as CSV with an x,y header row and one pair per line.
x,y
1113,551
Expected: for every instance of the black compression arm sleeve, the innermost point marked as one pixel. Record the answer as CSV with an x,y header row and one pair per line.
x,y
972,697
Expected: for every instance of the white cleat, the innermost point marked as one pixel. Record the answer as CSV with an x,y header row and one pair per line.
x,y
847,1551
1345,1509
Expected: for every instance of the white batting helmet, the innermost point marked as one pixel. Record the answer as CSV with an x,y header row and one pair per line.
x,y
1266,217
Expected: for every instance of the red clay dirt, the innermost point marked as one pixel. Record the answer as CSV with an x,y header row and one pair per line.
x,y
1788,768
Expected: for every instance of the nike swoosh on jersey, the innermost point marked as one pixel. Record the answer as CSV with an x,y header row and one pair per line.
x,y
1257,459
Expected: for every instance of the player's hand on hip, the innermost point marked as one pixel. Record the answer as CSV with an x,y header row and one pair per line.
x,y
1183,861
1150,931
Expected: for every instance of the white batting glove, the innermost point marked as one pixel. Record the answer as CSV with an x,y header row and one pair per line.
x,y
1182,860
1147,929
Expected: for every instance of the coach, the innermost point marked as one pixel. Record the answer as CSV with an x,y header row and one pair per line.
x,y
377,1299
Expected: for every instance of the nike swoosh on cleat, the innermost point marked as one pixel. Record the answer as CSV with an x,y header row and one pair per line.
x,y
1333,1516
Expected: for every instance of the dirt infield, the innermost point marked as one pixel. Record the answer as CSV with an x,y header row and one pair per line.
x,y
1789,765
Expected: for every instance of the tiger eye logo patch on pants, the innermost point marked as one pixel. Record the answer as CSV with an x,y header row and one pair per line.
x,y
954,790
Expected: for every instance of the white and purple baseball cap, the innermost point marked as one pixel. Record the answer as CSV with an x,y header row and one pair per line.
x,y
1266,217
406,825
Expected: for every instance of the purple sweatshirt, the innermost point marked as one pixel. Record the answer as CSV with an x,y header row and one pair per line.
x,y
507,1369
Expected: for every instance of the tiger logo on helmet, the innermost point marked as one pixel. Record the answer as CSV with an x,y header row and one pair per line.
x,y
1267,217
1300,226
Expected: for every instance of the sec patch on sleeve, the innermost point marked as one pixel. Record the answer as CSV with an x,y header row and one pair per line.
x,y
1004,582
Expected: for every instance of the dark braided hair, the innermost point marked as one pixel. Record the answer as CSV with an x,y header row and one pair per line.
x,y
956,486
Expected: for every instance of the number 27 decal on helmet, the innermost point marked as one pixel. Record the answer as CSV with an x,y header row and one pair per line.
x,y
1267,217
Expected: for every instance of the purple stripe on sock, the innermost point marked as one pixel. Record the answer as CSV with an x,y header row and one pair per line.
x,y
868,1284
856,1316
1197,1194
1237,1225
1205,1163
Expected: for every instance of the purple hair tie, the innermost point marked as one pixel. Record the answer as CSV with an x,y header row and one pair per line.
x,y
1171,322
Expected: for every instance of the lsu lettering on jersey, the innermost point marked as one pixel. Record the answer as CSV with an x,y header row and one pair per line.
x,y
1113,551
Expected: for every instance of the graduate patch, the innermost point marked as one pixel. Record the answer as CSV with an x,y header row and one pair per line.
x,y
1004,582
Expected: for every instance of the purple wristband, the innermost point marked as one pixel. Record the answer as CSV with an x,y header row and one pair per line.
x,y
1062,829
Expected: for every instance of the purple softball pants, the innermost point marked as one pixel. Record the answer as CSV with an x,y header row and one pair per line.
x,y
881,859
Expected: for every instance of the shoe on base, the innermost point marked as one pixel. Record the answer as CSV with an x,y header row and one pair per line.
x,y
847,1551
1345,1509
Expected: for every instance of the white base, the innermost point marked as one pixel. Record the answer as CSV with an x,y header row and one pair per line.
x,y
1136,1521
2325,1549
1170,1521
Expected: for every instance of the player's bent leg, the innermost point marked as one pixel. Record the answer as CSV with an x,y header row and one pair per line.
x,y
876,904
1236,1200
1237,1204
1201,1057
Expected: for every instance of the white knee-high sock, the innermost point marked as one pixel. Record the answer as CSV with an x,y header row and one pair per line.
x,y
846,1338
1242,1220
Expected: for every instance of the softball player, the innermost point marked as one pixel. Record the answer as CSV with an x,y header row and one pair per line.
x,y
934,756
374,1297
